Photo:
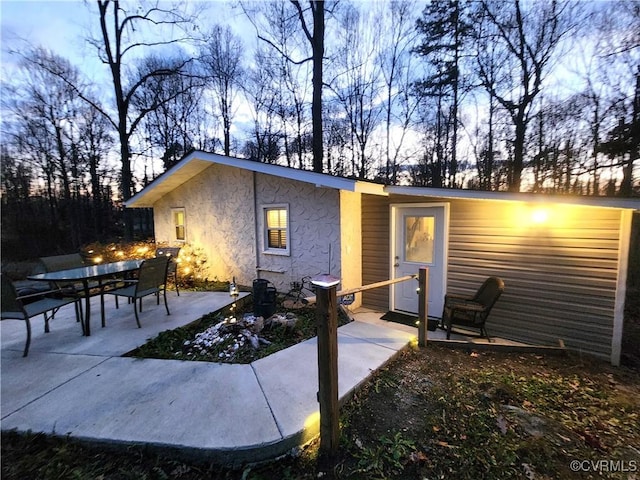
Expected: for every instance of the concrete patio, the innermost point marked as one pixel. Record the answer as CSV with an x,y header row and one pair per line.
x,y
231,414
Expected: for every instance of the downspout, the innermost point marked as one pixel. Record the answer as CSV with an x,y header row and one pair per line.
x,y
256,225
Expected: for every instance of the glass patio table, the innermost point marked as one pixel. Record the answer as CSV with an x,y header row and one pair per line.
x,y
85,275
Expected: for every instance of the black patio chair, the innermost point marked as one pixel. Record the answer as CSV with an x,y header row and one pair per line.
x,y
151,279
472,311
172,269
15,307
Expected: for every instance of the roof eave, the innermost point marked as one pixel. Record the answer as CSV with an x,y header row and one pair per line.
x,y
583,200
198,161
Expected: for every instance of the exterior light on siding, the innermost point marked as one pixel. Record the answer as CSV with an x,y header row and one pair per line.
x,y
539,216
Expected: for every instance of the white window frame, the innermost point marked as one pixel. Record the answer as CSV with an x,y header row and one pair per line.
x,y
265,230
174,225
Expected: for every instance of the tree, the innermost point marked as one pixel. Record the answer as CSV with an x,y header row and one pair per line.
x,y
263,145
46,120
116,44
528,38
358,84
221,58
445,30
174,126
395,62
312,24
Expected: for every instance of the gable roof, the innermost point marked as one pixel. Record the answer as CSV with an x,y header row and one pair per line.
x,y
198,161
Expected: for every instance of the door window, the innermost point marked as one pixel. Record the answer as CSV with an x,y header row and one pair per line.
x,y
419,235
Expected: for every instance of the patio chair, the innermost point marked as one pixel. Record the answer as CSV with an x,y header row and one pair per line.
x,y
16,308
151,279
472,311
172,269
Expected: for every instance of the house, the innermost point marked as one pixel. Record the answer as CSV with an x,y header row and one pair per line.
x,y
563,258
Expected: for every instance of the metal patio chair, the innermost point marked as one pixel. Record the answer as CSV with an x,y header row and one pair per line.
x,y
172,269
15,307
151,279
472,311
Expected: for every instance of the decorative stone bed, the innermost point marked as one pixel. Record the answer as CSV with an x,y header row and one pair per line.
x,y
234,335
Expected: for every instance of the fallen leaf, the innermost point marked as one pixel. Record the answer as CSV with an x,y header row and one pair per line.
x,y
445,444
528,471
417,457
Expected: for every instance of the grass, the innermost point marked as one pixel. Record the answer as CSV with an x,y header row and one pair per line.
x,y
432,413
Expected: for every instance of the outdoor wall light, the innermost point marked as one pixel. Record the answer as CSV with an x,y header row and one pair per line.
x,y
325,281
539,216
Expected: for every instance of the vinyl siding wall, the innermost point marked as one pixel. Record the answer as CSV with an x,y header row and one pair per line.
x,y
560,275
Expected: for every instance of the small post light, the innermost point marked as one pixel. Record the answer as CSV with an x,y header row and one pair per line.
x,y
233,293
325,281
327,329
233,288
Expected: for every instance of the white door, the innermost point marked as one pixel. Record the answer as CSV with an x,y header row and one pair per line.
x,y
419,240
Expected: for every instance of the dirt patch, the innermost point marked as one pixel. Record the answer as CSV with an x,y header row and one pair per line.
x,y
439,413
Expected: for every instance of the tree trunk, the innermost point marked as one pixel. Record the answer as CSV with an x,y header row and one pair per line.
x,y
515,178
316,107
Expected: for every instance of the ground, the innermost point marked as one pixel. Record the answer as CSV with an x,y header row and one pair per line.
x,y
432,413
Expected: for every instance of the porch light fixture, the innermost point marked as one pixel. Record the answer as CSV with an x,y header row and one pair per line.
x,y
539,215
325,281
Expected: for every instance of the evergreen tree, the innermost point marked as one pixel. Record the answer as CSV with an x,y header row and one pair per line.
x,y
445,29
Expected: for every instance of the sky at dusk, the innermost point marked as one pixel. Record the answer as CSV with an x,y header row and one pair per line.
x,y
63,25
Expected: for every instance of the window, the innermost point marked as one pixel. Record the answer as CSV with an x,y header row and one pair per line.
x,y
178,215
419,234
276,222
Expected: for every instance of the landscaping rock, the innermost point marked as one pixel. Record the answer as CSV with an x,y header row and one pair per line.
x,y
288,321
232,333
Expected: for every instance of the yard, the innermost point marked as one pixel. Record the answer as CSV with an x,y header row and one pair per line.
x,y
432,413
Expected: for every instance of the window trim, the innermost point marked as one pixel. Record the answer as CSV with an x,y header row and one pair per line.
x,y
265,230
174,225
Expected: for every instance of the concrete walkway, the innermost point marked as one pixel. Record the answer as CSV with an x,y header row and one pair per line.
x,y
231,414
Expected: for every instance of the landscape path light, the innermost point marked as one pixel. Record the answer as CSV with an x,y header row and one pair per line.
x,y
327,324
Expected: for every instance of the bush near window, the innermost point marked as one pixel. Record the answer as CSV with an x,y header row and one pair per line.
x,y
191,261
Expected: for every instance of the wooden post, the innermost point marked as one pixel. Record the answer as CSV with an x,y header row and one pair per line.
x,y
423,302
327,323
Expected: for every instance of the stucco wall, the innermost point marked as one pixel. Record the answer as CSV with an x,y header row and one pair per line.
x,y
218,205
314,229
